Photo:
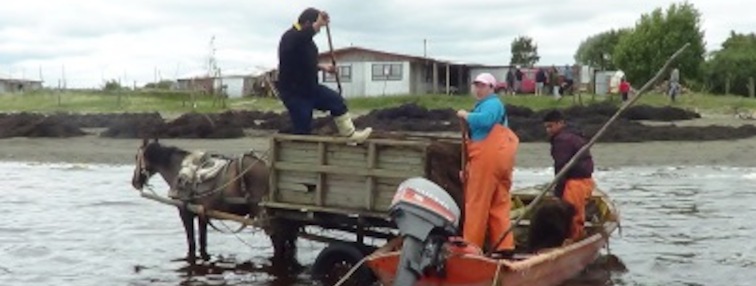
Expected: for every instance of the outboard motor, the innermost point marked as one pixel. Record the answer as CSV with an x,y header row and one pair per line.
x,y
426,216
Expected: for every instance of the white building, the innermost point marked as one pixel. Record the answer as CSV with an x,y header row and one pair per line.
x,y
236,83
365,72
10,84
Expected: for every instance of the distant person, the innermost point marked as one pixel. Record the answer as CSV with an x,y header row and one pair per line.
x,y
674,84
624,89
518,80
298,79
491,149
577,186
540,81
554,82
569,82
510,81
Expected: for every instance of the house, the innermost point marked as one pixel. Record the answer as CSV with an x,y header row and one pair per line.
x,y
9,84
366,72
235,83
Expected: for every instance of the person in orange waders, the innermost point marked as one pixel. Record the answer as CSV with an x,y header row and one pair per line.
x,y
576,187
491,148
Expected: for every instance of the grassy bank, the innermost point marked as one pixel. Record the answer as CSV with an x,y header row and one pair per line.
x,y
174,103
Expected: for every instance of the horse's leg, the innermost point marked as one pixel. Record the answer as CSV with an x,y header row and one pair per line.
x,y
203,237
283,237
188,219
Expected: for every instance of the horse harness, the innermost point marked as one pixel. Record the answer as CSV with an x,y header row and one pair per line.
x,y
202,175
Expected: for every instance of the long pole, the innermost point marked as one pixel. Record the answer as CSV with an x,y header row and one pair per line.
x,y
590,143
333,58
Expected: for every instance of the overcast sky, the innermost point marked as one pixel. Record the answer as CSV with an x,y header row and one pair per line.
x,y
131,39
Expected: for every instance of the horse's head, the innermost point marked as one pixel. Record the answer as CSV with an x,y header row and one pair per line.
x,y
143,169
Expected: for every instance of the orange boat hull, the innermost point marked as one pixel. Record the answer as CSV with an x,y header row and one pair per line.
x,y
550,268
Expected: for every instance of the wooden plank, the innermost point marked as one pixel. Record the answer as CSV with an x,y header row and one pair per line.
x,y
412,142
273,173
370,184
287,166
320,196
297,177
298,152
295,197
299,187
298,156
298,207
301,145
345,191
382,204
347,159
339,148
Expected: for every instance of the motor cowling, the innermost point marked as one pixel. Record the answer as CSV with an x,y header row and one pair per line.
x,y
426,216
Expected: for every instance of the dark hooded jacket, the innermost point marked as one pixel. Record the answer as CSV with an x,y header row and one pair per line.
x,y
564,145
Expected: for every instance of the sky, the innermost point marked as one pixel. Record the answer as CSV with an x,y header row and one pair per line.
x,y
87,42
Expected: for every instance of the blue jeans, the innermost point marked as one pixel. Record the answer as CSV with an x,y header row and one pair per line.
x,y
301,103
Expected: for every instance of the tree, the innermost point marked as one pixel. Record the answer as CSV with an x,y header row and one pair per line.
x,y
524,52
735,62
598,50
657,36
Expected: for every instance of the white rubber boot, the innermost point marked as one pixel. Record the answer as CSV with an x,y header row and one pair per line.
x,y
346,128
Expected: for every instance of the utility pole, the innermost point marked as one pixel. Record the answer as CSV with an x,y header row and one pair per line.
x,y
425,48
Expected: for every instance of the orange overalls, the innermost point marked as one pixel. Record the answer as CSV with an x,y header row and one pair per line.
x,y
490,164
577,192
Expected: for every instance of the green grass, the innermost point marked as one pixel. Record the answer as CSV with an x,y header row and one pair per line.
x,y
178,102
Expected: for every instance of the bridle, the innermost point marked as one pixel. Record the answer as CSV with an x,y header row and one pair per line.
x,y
144,170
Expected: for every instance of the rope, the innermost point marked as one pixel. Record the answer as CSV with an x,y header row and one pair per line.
x,y
496,276
351,272
237,236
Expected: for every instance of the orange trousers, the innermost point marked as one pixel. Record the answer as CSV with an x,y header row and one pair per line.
x,y
488,179
577,192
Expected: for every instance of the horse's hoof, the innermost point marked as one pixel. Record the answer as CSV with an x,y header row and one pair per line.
x,y
205,257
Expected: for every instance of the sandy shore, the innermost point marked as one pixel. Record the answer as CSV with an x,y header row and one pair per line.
x,y
92,149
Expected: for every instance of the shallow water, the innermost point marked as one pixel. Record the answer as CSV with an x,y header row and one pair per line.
x,y
84,225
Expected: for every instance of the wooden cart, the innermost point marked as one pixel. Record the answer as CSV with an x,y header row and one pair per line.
x,y
325,182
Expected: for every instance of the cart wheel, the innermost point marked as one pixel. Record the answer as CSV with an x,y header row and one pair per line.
x,y
336,260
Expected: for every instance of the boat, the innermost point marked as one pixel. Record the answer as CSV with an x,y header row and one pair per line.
x,y
553,266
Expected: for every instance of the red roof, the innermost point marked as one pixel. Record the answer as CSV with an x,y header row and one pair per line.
x,y
353,49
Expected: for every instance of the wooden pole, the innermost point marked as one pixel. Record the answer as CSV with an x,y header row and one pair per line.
x,y
333,59
197,209
590,143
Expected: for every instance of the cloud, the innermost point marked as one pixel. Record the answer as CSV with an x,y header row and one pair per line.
x,y
129,40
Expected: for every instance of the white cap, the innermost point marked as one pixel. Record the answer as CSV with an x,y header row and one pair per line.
x,y
486,78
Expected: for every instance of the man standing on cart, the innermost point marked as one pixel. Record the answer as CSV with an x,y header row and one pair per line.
x,y
298,85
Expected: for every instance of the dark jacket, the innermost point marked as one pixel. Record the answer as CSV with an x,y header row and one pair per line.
x,y
297,60
564,145
540,76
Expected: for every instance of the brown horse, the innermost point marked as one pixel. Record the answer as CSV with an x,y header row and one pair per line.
x,y
244,177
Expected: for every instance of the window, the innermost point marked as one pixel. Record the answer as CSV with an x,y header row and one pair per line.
x,y
345,74
385,72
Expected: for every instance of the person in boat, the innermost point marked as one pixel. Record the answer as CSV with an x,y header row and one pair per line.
x,y
491,149
298,85
577,185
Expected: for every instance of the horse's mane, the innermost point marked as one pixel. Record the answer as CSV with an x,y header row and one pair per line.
x,y
161,155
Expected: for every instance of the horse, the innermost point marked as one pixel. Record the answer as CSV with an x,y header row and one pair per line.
x,y
243,177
